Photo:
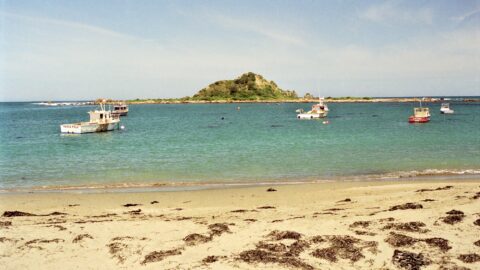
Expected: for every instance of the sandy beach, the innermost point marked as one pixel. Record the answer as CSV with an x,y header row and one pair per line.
x,y
356,225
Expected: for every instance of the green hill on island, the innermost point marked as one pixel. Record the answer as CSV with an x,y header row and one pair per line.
x,y
249,86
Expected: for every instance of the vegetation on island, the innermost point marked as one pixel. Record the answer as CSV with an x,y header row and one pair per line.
x,y
248,86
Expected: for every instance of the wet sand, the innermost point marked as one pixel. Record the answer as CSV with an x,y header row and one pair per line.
x,y
356,225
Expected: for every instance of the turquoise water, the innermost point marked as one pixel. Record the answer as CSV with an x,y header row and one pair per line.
x,y
260,142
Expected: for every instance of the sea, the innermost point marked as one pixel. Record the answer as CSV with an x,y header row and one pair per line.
x,y
180,146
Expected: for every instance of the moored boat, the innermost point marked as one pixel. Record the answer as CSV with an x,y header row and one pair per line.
x,y
445,108
100,120
120,109
319,110
420,115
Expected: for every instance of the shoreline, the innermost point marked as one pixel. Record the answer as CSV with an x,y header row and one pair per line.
x,y
333,100
347,225
145,187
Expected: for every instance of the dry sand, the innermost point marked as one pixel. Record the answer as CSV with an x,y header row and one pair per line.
x,y
357,225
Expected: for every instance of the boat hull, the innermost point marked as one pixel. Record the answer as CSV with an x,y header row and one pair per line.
x,y
413,119
446,111
81,128
312,115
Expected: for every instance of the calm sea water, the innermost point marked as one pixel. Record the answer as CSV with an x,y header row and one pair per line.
x,y
260,142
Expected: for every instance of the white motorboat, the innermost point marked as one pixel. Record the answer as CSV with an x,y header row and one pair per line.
x,y
120,109
319,110
445,108
100,120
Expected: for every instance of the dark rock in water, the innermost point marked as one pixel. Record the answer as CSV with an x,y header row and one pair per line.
x,y
374,115
274,126
19,137
271,190
409,260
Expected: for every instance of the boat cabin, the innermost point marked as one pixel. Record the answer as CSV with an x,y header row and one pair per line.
x,y
421,112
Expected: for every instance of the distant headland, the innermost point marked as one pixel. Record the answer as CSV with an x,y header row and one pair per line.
x,y
254,88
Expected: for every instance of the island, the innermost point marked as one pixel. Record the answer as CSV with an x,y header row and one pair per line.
x,y
254,88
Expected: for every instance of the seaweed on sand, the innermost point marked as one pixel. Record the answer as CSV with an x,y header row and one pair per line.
x,y
413,226
363,224
344,247
80,237
454,216
263,256
195,238
409,260
157,256
400,240
406,206
131,204
280,235
218,228
469,258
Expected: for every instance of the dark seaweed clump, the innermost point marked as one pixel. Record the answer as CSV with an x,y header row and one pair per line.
x,y
157,256
218,228
413,226
363,224
80,237
400,240
271,190
406,206
211,259
195,238
131,204
5,223
477,243
477,222
454,216
409,260
344,247
280,235
274,252
439,188
469,258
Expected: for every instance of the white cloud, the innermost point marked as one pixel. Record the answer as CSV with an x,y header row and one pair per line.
x,y
392,11
466,15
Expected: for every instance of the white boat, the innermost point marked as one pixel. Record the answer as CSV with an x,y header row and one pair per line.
x,y
445,108
100,120
319,110
120,109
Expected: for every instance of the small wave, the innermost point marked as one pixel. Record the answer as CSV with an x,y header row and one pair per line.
x,y
197,185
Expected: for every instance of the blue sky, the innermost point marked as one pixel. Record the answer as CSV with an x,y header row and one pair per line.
x,y
70,50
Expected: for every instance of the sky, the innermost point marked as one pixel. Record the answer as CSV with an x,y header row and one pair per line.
x,y
83,50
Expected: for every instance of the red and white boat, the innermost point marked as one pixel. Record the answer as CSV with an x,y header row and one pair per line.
x,y
420,115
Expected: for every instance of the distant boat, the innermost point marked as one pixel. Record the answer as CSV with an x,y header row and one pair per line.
x,y
319,110
420,115
120,109
100,120
445,108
